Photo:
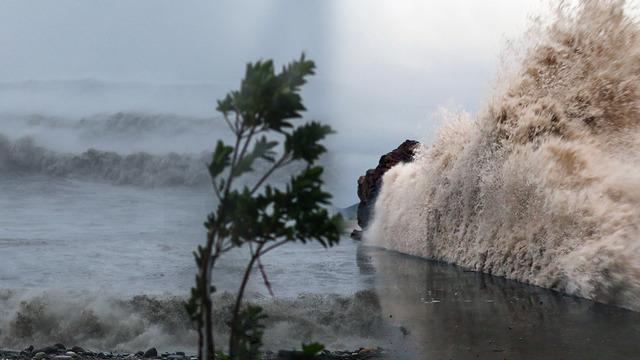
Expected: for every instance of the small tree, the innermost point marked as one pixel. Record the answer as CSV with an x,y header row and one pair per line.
x,y
262,217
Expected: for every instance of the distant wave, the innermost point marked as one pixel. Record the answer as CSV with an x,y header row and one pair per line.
x,y
127,124
103,323
24,157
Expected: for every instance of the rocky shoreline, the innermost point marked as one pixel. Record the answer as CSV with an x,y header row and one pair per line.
x,y
60,352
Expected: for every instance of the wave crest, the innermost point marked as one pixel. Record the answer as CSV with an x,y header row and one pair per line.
x,y
128,325
23,156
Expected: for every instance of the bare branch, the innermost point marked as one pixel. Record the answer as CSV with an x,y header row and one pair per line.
x,y
267,283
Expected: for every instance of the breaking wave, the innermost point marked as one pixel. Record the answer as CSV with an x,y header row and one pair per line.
x,y
24,157
544,185
128,325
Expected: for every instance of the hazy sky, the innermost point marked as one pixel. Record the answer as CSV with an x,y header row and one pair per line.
x,y
384,67
208,41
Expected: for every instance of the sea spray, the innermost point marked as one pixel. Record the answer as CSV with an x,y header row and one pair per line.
x,y
544,185
128,324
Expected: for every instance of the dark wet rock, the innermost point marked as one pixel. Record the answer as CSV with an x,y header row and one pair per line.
x,y
28,350
60,346
140,354
369,184
361,354
356,234
151,353
78,350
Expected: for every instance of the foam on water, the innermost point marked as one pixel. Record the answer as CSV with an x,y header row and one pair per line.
x,y
544,185
130,324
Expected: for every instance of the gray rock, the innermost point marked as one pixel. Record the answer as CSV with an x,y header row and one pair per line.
x,y
39,355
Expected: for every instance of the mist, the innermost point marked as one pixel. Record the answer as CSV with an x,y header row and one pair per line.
x,y
384,69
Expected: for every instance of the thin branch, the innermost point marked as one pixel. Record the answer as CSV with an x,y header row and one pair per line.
x,y
239,296
228,248
264,278
233,128
233,163
215,189
276,245
278,164
246,144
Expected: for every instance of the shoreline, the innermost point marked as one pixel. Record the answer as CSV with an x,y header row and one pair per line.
x,y
60,352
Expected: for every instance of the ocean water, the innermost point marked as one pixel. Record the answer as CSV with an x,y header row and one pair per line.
x,y
99,215
57,233
108,267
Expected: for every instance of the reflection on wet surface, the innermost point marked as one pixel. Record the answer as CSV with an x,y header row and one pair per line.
x,y
443,312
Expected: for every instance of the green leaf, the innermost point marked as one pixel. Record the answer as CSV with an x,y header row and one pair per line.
x,y
248,333
268,100
262,149
220,160
304,142
312,349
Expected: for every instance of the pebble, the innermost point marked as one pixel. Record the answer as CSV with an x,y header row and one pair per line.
x,y
39,355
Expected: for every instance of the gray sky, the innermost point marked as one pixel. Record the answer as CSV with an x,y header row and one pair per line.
x,y
384,67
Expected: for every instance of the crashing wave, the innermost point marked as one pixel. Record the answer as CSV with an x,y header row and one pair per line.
x,y
103,323
544,185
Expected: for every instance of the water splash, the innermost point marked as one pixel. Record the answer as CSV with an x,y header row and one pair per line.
x,y
544,185
104,323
